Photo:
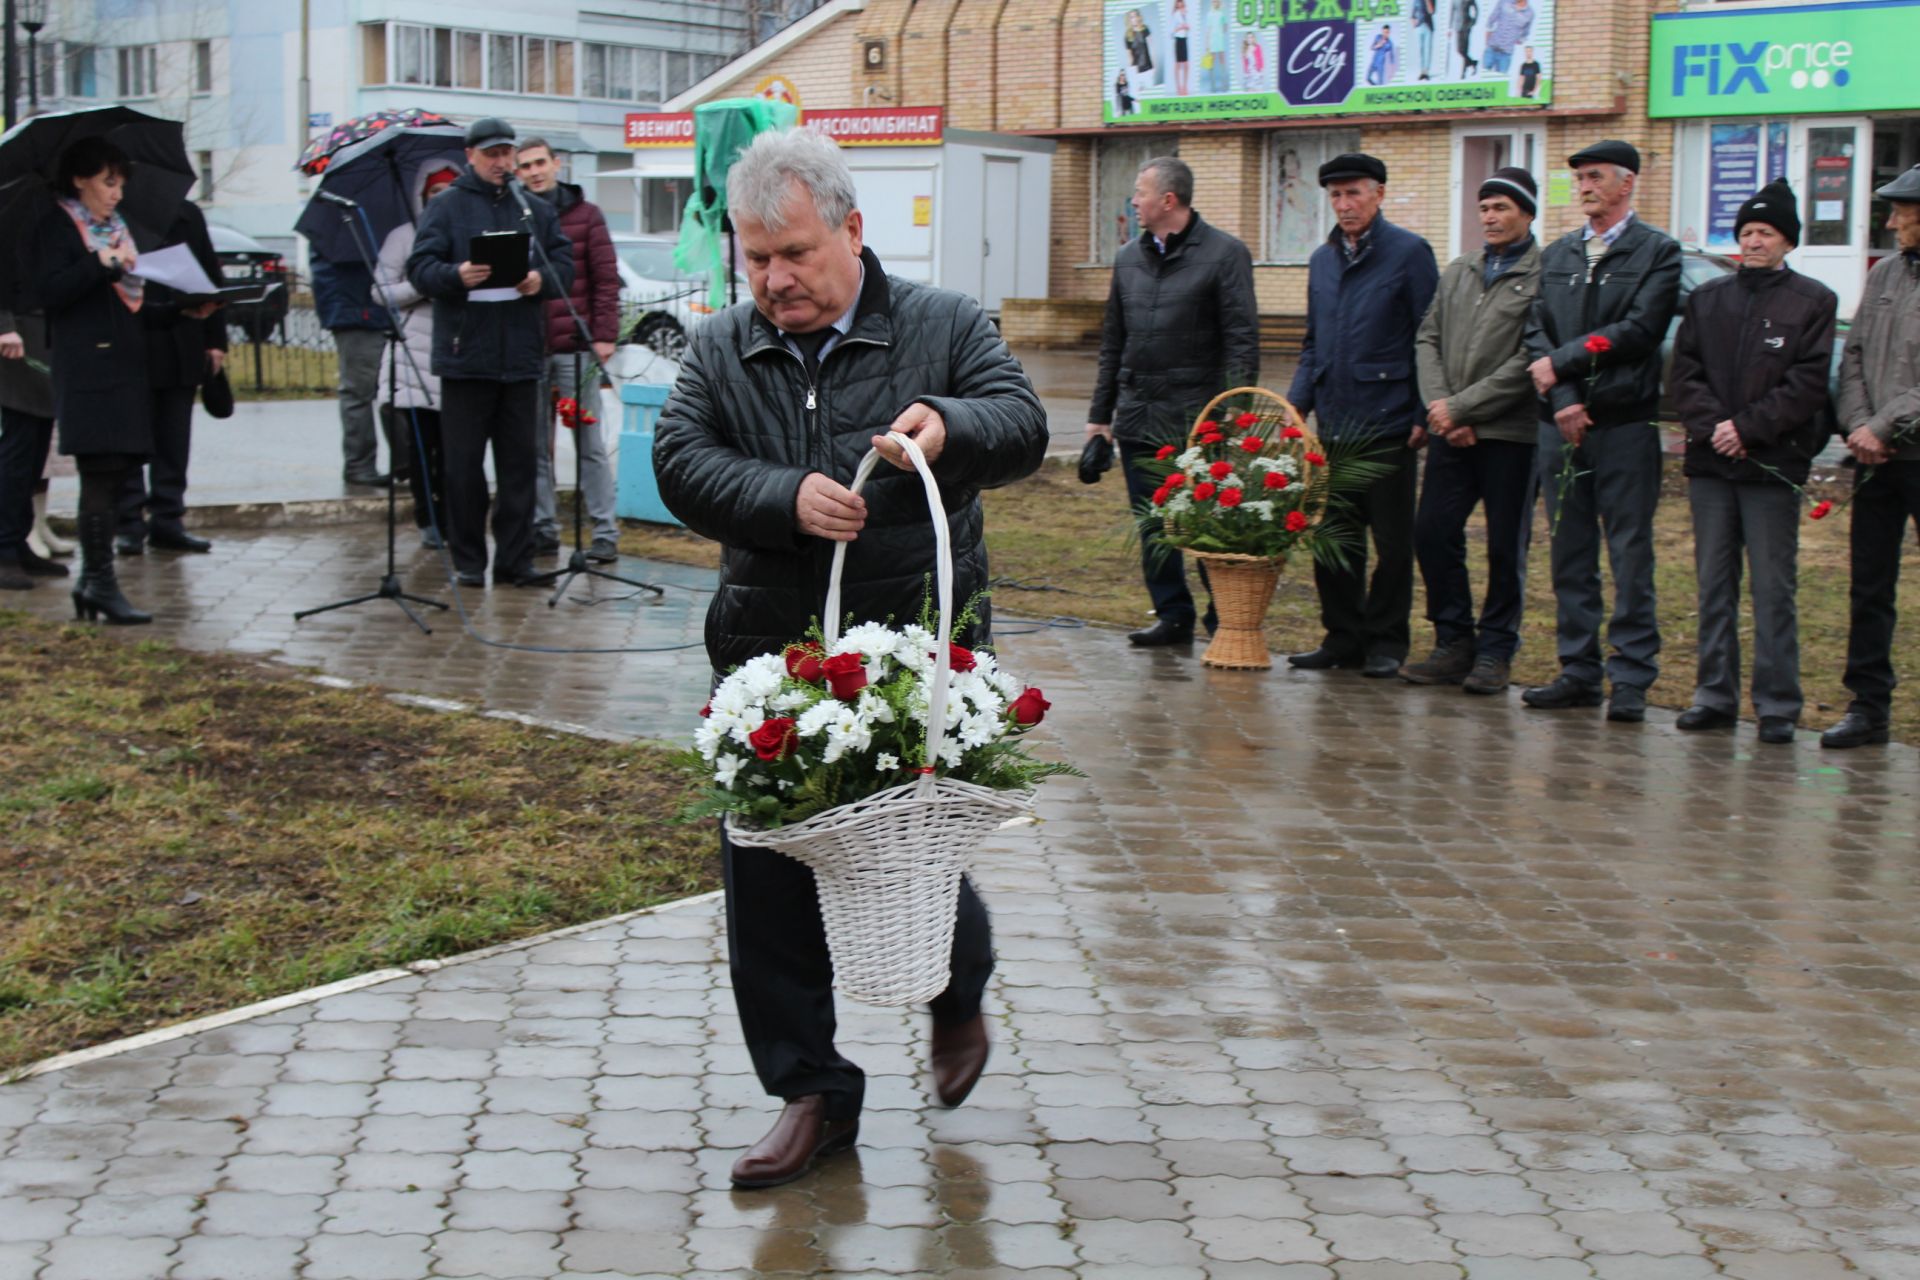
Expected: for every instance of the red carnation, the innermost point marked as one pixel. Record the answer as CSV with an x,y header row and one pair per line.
x,y
1292,433
1204,490
1599,344
1164,452
1030,708
1174,481
846,674
1296,521
1820,510
776,739
1252,444
803,662
1246,420
1212,437
1161,495
960,658
1230,497
706,710
1275,480
1317,459
1220,470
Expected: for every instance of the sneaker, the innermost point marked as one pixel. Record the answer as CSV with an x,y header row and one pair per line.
x,y
1447,664
1489,675
603,551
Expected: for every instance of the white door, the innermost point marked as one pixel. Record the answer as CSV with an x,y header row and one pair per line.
x,y
1000,223
1830,163
1477,151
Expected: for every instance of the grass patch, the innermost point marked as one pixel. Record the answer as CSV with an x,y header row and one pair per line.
x,y
1059,547
185,833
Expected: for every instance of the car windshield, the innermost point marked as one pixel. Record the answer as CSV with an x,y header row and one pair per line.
x,y
651,260
1696,269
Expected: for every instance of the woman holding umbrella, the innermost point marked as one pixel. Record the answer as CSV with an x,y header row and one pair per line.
x,y
83,252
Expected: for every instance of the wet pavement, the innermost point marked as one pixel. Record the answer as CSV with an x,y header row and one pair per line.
x,y
1312,977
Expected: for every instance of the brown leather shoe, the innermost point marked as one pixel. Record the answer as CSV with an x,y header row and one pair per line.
x,y
801,1135
959,1056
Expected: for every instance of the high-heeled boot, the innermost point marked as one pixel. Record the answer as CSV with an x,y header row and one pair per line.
x,y
43,540
97,593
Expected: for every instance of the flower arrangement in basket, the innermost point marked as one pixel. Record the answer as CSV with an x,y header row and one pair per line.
x,y
880,757
1251,487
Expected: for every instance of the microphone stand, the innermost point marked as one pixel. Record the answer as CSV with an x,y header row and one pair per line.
x,y
577,563
390,587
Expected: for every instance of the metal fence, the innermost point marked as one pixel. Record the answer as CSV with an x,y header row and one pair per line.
x,y
295,356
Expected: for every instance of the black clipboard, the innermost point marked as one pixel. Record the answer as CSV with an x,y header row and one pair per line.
x,y
503,251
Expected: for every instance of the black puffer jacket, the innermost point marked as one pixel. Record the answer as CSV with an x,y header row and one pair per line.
x,y
1628,297
1181,327
744,427
1755,348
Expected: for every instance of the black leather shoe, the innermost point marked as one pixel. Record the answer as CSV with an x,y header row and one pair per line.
x,y
1627,705
1564,692
35,565
1160,634
546,544
471,579
367,479
1776,730
1490,675
13,577
1696,718
1856,729
525,578
1325,659
603,551
1447,664
1381,666
176,540
800,1136
130,544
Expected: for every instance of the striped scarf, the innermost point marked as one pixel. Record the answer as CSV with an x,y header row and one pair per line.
x,y
110,234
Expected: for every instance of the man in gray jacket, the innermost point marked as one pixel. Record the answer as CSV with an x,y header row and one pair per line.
x,y
1481,432
1880,414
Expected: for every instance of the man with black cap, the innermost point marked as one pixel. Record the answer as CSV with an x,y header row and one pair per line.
x,y
1607,293
489,348
1482,424
1879,411
1750,382
1367,289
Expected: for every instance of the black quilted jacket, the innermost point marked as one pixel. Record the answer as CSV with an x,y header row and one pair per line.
x,y
744,426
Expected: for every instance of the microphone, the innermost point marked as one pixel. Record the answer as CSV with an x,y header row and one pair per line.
x,y
335,198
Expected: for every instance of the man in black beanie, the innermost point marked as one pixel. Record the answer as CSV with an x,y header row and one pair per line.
x,y
1750,383
1482,428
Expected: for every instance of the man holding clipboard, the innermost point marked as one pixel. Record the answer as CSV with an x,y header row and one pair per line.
x,y
476,257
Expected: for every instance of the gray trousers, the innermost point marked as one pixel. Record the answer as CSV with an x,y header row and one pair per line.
x,y
360,351
1613,491
590,441
1764,520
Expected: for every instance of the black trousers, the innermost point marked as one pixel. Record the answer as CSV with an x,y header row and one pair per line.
x,y
1164,569
24,441
156,494
1363,619
1497,474
783,977
426,465
477,414
1885,502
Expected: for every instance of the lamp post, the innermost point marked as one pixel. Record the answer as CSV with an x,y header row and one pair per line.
x,y
33,16
10,52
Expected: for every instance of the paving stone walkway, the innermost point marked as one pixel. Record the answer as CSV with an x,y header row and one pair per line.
x,y
1312,978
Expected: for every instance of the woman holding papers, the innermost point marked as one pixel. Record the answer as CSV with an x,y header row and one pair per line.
x,y
84,257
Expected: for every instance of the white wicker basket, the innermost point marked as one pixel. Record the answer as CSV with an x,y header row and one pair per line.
x,y
888,866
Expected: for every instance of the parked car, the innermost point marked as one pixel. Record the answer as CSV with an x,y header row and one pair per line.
x,y
659,303
245,260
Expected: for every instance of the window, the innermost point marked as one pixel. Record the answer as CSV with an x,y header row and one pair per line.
x,y
469,70
82,77
203,165
410,55
1298,216
503,63
1116,165
203,66
373,53
627,74
139,68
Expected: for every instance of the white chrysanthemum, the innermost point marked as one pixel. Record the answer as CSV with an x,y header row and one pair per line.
x,y
726,769
886,763
874,708
1265,464
869,638
731,698
1194,457
791,700
847,732
1261,508
707,737
815,719
760,678
1288,464
978,731
1006,685
951,752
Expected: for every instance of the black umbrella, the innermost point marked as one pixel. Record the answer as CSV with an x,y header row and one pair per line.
x,y
382,176
162,174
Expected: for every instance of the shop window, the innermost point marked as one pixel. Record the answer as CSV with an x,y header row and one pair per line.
x,y
1116,165
1299,220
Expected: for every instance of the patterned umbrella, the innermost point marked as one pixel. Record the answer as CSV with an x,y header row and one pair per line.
x,y
320,152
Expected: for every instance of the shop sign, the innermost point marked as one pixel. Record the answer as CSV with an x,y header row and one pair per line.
x,y
850,127
1741,158
1169,61
1788,61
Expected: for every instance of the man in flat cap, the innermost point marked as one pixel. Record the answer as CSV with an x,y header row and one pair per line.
x,y
1750,382
1879,411
1607,293
1367,288
1483,426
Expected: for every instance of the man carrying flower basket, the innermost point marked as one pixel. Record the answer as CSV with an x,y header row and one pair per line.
x,y
776,404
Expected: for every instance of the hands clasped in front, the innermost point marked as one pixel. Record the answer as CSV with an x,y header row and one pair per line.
x,y
825,508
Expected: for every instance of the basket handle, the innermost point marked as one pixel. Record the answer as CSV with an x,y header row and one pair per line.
x,y
943,578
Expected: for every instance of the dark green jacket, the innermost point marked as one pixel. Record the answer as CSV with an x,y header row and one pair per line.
x,y
1470,352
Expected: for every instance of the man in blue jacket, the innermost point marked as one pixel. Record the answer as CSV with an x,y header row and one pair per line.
x,y
343,297
489,349
1367,289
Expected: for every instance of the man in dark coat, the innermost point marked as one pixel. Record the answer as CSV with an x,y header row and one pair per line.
x,y
595,298
776,404
186,344
1181,327
1368,287
1607,293
1749,380
489,348
343,299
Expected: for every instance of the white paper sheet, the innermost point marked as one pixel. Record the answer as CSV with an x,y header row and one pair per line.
x,y
493,295
177,268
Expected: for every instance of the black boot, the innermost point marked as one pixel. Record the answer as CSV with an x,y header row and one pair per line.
x,y
97,593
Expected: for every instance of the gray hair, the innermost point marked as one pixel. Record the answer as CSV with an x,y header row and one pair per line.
x,y
1171,174
760,183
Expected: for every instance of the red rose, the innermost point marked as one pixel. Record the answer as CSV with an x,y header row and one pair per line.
x,y
1164,452
960,658
1230,497
1275,480
1292,433
1220,470
1174,481
1820,510
1203,491
1296,521
1252,444
1246,421
775,739
1317,459
1599,344
1030,708
803,662
846,674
